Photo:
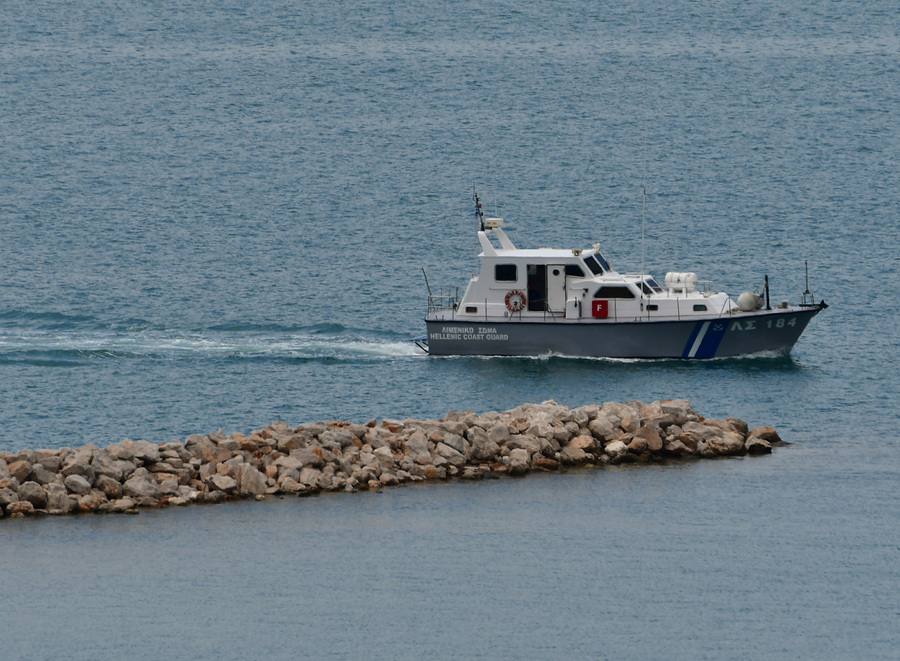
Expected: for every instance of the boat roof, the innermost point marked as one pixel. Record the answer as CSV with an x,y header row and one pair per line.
x,y
555,253
508,249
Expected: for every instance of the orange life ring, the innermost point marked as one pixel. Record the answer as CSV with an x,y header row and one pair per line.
x,y
515,300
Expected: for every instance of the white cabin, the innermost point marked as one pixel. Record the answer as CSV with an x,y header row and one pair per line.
x,y
574,285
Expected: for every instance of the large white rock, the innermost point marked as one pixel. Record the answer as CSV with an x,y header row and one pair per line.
x,y
572,455
308,457
482,448
146,451
310,476
586,443
456,442
453,457
140,487
499,433
385,457
603,428
215,482
525,442
519,460
77,485
701,431
118,469
252,482
615,449
416,444
33,493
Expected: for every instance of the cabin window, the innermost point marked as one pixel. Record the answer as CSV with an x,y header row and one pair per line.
x,y
602,261
505,273
654,284
699,307
471,309
652,307
592,264
646,288
614,291
574,270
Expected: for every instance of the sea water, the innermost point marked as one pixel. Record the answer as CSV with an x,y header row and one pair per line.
x,y
217,215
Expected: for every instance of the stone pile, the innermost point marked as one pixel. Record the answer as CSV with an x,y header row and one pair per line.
x,y
343,456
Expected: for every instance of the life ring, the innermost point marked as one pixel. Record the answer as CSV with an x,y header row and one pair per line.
x,y
515,300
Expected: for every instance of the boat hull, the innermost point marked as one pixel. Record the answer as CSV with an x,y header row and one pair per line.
x,y
773,331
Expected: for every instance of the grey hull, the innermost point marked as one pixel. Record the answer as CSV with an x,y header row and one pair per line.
x,y
766,331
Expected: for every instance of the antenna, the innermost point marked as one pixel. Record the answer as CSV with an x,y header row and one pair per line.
x,y
479,214
426,282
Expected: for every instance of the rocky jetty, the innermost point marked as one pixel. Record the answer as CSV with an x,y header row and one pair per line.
x,y
342,456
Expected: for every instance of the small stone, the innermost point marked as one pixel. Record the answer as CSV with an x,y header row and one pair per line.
x,y
756,445
544,464
124,504
766,434
638,445
93,501
22,507
7,497
615,449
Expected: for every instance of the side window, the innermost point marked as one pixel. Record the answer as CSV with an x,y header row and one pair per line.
x,y
505,273
614,291
700,307
574,270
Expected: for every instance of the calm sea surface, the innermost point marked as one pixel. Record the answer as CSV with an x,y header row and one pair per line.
x,y
216,215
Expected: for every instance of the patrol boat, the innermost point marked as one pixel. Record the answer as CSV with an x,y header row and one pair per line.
x,y
527,302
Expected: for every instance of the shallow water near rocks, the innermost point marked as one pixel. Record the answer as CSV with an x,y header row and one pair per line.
x,y
216,216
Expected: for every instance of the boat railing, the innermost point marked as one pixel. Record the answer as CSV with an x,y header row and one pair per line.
x,y
443,299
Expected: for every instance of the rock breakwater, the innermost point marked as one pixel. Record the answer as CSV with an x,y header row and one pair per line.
x,y
309,458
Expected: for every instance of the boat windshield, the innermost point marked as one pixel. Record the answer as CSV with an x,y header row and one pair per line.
x,y
597,264
649,285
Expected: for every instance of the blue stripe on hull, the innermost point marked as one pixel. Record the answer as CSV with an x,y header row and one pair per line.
x,y
692,339
712,340
705,339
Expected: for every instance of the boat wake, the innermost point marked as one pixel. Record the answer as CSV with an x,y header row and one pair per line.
x,y
73,347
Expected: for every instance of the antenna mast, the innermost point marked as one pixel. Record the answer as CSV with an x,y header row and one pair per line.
x,y
479,214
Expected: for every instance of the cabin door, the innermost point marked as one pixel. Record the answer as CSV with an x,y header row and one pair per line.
x,y
556,288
